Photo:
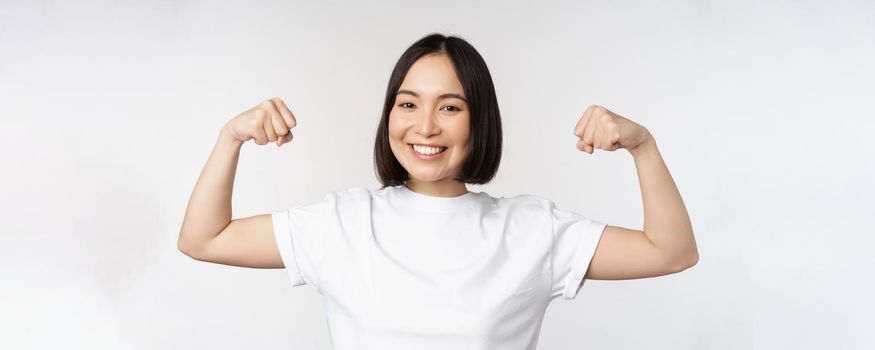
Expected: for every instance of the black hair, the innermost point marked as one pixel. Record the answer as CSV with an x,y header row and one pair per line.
x,y
484,151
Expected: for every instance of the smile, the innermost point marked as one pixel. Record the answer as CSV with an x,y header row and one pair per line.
x,y
426,152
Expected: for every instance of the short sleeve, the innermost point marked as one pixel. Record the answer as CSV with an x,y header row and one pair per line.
x,y
300,237
575,239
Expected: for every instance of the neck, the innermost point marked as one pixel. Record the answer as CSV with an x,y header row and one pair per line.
x,y
441,188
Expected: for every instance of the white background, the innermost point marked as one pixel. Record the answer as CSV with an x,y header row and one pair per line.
x,y
763,112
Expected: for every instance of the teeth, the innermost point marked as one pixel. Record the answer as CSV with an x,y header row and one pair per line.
x,y
428,150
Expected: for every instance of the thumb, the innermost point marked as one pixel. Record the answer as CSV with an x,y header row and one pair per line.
x,y
582,146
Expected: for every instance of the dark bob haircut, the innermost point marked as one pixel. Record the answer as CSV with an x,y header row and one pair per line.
x,y
484,151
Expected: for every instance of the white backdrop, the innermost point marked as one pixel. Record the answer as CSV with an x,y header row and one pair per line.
x,y
763,112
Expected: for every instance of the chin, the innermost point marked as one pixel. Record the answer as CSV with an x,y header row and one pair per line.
x,y
425,178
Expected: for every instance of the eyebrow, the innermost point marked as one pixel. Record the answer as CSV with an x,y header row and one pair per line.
x,y
447,95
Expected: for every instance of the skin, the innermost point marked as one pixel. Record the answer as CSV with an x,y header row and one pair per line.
x,y
429,118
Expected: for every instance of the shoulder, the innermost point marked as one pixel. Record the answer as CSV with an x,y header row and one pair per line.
x,y
336,199
345,194
529,200
350,194
524,203
351,198
342,204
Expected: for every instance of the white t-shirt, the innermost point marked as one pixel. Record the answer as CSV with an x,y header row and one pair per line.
x,y
403,270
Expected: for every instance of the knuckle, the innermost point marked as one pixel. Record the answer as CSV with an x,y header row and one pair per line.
x,y
266,104
610,124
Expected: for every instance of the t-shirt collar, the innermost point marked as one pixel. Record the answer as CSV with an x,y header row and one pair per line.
x,y
424,202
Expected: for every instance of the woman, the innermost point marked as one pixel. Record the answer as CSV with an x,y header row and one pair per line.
x,y
422,263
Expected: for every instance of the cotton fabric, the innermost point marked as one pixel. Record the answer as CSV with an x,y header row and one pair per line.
x,y
403,270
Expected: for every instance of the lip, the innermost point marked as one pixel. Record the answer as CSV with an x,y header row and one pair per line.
x,y
425,157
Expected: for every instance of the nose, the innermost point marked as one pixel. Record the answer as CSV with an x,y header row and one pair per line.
x,y
426,125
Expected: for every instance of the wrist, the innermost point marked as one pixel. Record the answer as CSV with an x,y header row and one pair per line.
x,y
225,137
646,146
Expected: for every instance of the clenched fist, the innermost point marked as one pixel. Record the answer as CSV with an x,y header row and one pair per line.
x,y
268,121
601,128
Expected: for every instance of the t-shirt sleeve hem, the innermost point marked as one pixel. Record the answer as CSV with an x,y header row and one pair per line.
x,y
586,247
285,245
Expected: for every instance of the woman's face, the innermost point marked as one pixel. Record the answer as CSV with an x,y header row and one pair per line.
x,y
431,111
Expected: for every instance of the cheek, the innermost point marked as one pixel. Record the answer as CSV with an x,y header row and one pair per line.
x,y
396,130
396,136
462,131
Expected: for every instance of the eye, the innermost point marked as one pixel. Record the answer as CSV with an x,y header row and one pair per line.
x,y
454,108
405,105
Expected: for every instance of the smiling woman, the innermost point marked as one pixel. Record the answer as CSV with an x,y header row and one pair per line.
x,y
422,263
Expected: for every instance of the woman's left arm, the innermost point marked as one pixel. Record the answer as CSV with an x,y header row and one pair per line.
x,y
623,253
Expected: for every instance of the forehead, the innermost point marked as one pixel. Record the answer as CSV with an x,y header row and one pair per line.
x,y
432,75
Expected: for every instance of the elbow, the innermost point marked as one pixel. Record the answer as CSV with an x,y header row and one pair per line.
x,y
182,243
694,254
182,248
690,261
185,247
694,259
683,261
691,258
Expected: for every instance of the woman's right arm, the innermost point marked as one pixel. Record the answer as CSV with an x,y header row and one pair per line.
x,y
208,233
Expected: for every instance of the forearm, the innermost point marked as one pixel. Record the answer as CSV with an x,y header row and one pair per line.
x,y
666,222
209,208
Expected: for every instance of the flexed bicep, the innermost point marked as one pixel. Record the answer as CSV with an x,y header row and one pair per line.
x,y
624,253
